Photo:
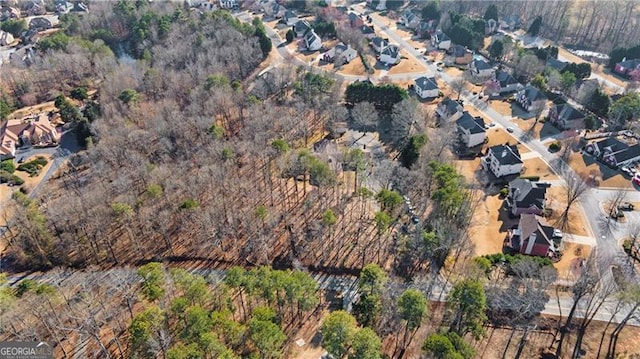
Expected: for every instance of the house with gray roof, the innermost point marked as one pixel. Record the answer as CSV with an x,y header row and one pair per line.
x,y
471,130
502,160
525,196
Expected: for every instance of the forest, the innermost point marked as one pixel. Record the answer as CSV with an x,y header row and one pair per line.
x,y
201,220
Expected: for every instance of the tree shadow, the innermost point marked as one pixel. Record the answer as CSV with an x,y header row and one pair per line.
x,y
517,111
548,130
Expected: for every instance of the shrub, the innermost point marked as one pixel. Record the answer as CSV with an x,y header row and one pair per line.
x,y
33,167
504,192
6,177
290,36
79,93
555,146
8,165
189,204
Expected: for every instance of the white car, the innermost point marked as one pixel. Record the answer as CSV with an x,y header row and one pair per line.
x,y
510,129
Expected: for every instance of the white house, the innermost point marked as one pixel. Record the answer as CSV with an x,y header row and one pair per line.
x,y
341,53
502,160
390,55
426,87
290,18
312,42
481,70
441,40
229,4
531,99
5,38
471,130
449,110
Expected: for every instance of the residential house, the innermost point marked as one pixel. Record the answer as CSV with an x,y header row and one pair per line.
x,y
531,99
441,40
525,196
229,4
426,27
8,12
534,238
40,24
390,55
301,27
510,22
460,55
502,160
355,21
290,18
553,63
566,117
340,54
507,82
481,70
379,5
80,7
273,9
471,130
409,19
449,110
312,42
6,38
35,8
625,66
368,31
378,44
31,132
426,87
614,152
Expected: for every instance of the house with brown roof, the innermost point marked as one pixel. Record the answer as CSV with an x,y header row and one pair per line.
x,y
29,132
533,237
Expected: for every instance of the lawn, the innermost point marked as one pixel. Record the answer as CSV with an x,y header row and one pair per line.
x,y
498,136
588,167
408,64
556,200
572,256
490,226
537,167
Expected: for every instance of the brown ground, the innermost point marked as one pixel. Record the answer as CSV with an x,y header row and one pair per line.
x,y
607,177
556,201
408,64
355,67
453,71
503,107
498,136
26,111
488,230
537,167
572,254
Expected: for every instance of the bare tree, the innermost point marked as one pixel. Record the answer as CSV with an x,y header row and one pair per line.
x,y
364,116
575,188
631,302
458,85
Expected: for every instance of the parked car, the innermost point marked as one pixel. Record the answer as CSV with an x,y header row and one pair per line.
x,y
557,233
636,179
626,206
510,129
626,170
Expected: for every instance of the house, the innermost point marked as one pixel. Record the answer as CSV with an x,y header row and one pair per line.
x,y
290,18
426,27
510,23
31,132
625,66
368,31
6,38
481,70
460,54
525,196
441,40
534,238
8,12
273,9
301,27
409,19
553,63
35,7
355,21
377,5
471,130
40,24
502,160
340,54
312,42
229,4
614,152
449,110
390,55
531,99
378,44
507,82
426,87
83,8
566,117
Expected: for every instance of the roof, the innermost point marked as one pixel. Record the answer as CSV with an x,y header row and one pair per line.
x,y
450,105
505,154
629,64
302,25
556,64
441,36
311,36
566,112
627,154
527,194
529,224
426,83
379,42
533,94
391,50
470,123
505,79
458,51
367,29
481,65
289,14
612,142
